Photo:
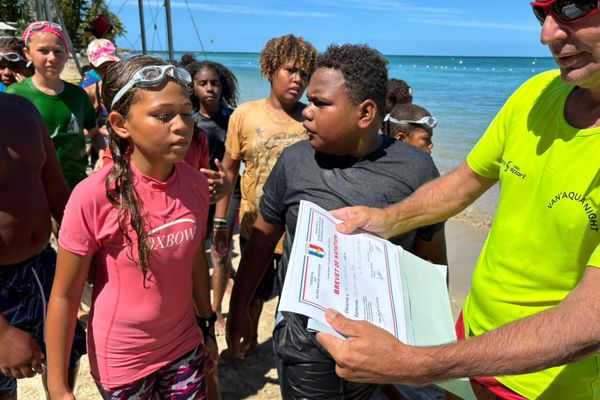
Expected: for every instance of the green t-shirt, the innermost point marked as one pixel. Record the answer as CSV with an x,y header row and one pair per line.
x,y
545,231
66,116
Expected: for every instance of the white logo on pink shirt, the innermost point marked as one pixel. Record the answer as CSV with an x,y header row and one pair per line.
x,y
173,238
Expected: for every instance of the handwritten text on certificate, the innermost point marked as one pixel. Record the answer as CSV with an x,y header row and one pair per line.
x,y
352,274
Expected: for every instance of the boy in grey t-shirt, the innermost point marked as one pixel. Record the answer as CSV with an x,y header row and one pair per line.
x,y
344,162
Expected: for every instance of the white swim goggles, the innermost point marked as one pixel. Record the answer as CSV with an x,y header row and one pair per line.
x,y
154,75
11,57
427,121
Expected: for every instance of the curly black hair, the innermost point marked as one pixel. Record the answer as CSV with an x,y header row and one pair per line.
x,y
13,44
398,93
364,70
230,94
280,50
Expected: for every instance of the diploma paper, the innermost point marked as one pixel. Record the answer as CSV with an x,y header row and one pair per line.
x,y
354,274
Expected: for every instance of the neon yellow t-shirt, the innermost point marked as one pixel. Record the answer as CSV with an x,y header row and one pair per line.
x,y
545,231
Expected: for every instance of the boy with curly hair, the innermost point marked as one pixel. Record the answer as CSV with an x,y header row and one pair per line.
x,y
345,161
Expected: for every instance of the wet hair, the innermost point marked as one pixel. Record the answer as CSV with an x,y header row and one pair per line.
x,y
119,184
13,44
364,70
281,50
186,60
230,93
398,92
410,112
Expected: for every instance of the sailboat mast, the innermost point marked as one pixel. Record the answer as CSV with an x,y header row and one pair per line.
x,y
142,26
169,30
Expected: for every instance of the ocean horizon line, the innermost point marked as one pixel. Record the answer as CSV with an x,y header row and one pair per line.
x,y
125,50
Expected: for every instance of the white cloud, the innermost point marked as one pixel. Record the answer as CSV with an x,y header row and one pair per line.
x,y
232,8
484,25
390,6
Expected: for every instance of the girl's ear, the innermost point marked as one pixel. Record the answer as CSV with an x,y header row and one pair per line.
x,y
368,113
119,124
27,55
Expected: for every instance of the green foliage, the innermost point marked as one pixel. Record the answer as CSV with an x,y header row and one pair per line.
x,y
19,11
77,15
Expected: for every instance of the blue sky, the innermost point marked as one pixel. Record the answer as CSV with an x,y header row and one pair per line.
x,y
403,27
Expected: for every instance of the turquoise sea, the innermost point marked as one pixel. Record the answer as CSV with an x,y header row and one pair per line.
x,y
464,93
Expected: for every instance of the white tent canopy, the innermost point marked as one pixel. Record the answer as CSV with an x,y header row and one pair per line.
x,y
6,27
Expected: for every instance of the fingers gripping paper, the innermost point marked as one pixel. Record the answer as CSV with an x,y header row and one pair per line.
x,y
366,278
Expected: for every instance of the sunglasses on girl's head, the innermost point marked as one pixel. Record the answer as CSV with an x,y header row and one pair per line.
x,y
427,121
38,26
153,75
564,10
11,57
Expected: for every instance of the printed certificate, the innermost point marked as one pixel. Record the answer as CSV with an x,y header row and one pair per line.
x,y
357,275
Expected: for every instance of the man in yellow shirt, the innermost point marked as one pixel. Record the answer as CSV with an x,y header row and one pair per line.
x,y
533,314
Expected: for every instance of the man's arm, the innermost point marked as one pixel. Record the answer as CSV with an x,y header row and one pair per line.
x,y
561,335
433,202
56,187
256,257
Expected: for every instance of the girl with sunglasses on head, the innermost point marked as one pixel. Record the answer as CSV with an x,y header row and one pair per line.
x,y
13,64
65,107
143,218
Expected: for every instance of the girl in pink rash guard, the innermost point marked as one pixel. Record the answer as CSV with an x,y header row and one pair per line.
x,y
143,218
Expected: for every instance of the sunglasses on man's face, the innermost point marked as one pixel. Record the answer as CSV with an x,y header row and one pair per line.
x,y
565,11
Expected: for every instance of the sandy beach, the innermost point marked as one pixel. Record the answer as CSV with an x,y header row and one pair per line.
x,y
256,377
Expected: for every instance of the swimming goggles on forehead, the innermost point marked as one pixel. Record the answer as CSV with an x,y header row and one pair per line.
x,y
11,57
427,121
39,26
564,10
154,75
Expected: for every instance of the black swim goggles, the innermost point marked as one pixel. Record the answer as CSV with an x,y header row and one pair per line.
x,y
11,57
565,11
427,121
154,75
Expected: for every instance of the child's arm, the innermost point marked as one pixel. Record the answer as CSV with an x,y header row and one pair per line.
x,y
257,255
220,243
71,273
433,250
201,295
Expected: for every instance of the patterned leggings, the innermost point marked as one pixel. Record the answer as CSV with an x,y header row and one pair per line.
x,y
183,379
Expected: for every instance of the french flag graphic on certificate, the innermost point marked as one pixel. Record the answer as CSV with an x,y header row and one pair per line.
x,y
314,250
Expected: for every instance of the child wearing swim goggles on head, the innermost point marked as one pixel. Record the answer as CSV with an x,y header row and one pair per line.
x,y
13,64
65,107
410,124
143,217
